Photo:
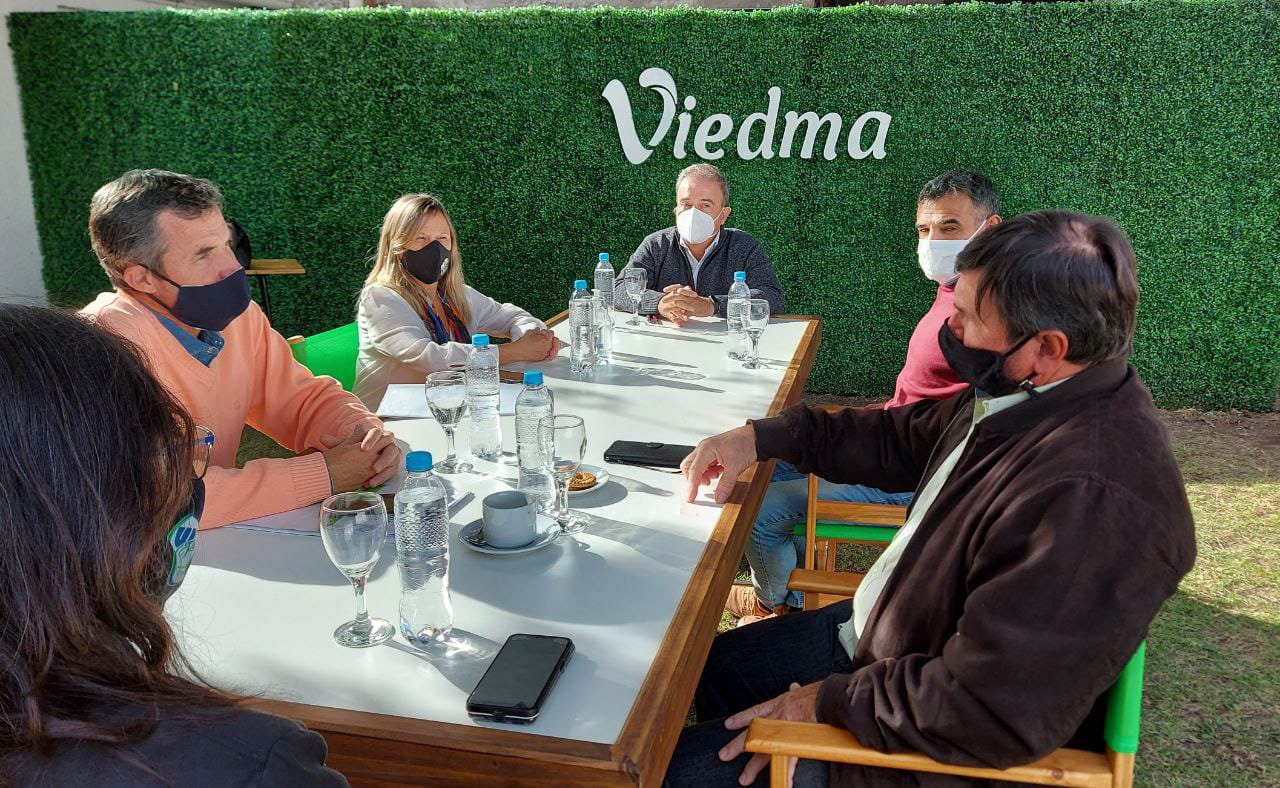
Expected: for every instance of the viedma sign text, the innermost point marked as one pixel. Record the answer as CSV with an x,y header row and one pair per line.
x,y
716,128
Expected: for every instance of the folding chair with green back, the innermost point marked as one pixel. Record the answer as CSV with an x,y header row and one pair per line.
x,y
331,353
1113,769
828,523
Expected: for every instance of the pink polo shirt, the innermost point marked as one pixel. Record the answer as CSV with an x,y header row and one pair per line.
x,y
926,374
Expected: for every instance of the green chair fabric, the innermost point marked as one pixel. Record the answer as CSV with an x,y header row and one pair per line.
x,y
331,353
864,533
1124,705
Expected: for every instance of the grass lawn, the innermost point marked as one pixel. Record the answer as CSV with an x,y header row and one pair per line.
x,y
1211,710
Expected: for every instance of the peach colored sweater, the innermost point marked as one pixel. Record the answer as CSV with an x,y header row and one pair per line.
x,y
254,380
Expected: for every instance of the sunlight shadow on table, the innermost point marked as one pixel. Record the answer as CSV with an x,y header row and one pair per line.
x,y
673,550
488,580
637,486
609,493
462,659
664,335
636,358
308,564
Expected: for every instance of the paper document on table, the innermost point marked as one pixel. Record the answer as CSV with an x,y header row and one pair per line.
x,y
409,401
306,520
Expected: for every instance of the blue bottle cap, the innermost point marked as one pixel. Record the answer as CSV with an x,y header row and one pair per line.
x,y
533,377
580,284
418,461
480,340
604,257
739,276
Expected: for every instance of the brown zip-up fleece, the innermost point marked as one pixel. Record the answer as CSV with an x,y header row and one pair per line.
x,y
1031,580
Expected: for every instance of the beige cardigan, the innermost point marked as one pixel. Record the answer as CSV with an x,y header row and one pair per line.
x,y
397,347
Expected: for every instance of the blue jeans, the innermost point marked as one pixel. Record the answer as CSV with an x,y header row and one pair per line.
x,y
773,551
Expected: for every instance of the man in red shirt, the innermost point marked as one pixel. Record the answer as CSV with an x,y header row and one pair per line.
x,y
952,209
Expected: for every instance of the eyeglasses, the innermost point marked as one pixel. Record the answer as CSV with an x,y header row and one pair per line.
x,y
202,450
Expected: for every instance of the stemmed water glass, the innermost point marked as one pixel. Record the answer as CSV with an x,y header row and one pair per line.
x,y
636,281
564,441
447,398
754,319
353,527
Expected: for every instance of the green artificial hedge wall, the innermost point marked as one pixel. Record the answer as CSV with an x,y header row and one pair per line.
x,y
1161,114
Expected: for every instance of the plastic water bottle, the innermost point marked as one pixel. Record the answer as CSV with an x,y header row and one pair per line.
x,y
604,279
482,396
582,329
739,294
604,328
534,403
422,554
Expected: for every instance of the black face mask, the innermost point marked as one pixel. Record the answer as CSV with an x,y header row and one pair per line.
x,y
211,307
982,369
427,264
181,541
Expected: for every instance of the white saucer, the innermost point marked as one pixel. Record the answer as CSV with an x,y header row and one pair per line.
x,y
602,478
547,531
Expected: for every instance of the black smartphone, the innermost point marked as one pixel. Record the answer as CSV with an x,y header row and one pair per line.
x,y
650,454
519,679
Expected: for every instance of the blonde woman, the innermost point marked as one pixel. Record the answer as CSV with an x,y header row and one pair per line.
x,y
416,314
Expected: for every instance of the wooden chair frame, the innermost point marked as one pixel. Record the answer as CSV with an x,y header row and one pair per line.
x,y
1114,769
829,523
781,740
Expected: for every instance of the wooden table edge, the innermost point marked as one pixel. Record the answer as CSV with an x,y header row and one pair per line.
x,y
649,734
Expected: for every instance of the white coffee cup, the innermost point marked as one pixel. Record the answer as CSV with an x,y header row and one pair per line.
x,y
509,519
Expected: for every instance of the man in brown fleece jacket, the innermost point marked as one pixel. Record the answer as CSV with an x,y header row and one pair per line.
x,y
1049,524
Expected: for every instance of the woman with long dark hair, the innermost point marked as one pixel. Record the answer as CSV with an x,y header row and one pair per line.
x,y
99,499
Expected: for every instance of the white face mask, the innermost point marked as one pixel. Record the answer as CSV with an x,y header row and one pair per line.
x,y
695,226
938,258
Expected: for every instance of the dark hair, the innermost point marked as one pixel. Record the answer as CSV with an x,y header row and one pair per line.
x,y
122,215
976,186
1063,270
95,467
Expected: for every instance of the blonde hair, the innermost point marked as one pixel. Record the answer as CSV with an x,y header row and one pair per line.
x,y
398,227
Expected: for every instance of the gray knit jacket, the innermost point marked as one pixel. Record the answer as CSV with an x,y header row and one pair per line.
x,y
662,256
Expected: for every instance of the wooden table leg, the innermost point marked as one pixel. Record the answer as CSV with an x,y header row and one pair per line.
x,y
266,296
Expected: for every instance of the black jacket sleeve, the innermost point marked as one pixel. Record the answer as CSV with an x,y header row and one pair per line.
x,y
886,449
1055,607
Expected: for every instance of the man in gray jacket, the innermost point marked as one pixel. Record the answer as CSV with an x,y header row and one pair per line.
x,y
690,266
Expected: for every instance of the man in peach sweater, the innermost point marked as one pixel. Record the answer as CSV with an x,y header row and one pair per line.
x,y
182,297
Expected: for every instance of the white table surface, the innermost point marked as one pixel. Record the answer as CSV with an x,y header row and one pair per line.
x,y
257,610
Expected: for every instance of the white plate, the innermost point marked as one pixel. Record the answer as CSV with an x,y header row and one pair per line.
x,y
547,532
602,478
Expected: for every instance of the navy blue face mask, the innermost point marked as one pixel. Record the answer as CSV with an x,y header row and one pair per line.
x,y
211,307
982,369
181,542
427,264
